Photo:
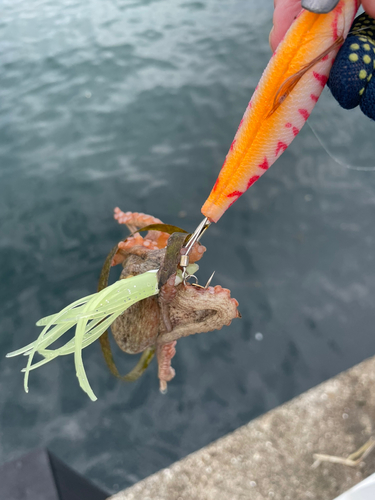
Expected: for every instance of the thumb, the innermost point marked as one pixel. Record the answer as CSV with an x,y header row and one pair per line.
x,y
369,6
285,13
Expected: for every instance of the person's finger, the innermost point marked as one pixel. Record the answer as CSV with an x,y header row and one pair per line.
x,y
285,13
369,6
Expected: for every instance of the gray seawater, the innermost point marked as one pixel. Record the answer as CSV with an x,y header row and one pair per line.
x,y
134,103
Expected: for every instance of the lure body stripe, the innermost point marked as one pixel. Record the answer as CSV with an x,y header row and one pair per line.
x,y
266,130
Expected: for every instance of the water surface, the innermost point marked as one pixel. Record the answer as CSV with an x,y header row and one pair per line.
x,y
134,103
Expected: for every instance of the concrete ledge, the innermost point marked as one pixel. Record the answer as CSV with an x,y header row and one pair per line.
x,y
272,456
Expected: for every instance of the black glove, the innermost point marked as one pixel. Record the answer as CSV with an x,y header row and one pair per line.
x,y
350,80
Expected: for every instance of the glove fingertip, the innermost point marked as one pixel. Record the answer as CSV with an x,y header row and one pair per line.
x,y
367,103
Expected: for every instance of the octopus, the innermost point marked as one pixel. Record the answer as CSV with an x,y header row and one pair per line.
x,y
179,310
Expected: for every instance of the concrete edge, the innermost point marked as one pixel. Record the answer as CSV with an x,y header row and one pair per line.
x,y
272,456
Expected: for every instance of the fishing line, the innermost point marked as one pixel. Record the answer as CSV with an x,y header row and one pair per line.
x,y
347,136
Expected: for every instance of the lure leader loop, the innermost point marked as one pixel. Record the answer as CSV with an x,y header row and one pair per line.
x,y
195,237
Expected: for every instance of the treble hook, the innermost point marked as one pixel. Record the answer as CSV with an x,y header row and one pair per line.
x,y
196,284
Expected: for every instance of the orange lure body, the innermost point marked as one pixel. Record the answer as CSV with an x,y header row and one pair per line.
x,y
283,100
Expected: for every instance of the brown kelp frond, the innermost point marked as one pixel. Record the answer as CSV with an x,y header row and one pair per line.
x,y
139,368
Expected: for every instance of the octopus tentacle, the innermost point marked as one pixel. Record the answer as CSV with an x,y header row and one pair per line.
x,y
135,220
166,373
124,247
195,310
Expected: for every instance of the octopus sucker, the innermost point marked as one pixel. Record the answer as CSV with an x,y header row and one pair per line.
x,y
179,310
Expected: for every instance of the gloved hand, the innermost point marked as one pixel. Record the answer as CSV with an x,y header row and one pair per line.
x,y
350,80
287,10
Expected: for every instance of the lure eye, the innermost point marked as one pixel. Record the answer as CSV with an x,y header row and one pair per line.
x,y
350,80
